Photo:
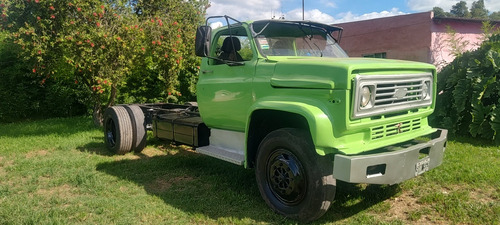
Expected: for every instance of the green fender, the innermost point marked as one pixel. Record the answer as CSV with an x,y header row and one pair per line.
x,y
320,124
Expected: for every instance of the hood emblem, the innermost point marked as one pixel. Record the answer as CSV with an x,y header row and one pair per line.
x,y
400,93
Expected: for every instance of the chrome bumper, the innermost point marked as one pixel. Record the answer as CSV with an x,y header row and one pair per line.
x,y
392,167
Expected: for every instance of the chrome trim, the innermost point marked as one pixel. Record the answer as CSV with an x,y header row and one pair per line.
x,y
391,93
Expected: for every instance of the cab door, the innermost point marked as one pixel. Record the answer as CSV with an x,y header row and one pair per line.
x,y
225,89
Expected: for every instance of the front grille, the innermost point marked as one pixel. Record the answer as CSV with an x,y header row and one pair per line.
x,y
385,94
394,129
392,93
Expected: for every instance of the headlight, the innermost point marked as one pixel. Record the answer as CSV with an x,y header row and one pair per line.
x,y
366,97
426,90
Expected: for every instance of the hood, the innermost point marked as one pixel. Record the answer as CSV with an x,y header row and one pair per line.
x,y
336,73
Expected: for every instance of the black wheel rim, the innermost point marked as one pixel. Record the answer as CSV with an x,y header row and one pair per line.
x,y
110,133
286,177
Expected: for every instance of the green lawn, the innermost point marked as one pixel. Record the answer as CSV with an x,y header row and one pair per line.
x,y
57,171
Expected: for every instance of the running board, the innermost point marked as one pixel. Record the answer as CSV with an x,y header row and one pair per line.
x,y
223,154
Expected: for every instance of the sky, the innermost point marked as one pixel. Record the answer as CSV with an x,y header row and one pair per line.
x,y
330,11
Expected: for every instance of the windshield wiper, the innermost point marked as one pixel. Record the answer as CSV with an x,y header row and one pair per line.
x,y
319,49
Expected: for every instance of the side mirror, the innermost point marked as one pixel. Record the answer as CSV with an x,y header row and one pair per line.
x,y
202,45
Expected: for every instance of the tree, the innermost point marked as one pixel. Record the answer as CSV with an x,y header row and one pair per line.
x,y
84,39
495,16
100,43
173,58
460,10
478,11
439,12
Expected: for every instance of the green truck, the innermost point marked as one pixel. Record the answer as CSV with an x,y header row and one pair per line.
x,y
282,97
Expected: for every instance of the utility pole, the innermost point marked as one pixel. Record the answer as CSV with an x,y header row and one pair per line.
x,y
302,9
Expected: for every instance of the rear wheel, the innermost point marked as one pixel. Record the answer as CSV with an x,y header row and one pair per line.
x,y
117,130
138,127
294,180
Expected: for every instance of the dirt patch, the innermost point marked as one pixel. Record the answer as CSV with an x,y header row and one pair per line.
x,y
38,153
2,172
151,152
406,208
483,196
163,184
401,205
176,149
63,191
124,189
161,150
127,157
3,165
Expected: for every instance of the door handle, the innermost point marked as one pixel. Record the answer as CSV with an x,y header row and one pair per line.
x,y
207,71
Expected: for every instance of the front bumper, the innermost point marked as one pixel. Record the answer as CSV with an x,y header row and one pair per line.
x,y
392,167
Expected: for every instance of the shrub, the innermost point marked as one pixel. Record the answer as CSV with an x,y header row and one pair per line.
x,y
27,95
468,102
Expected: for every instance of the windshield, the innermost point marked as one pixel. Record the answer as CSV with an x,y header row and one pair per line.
x,y
296,39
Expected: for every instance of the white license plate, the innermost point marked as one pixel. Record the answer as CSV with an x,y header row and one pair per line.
x,y
422,166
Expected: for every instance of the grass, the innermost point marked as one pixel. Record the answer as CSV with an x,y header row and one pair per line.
x,y
57,171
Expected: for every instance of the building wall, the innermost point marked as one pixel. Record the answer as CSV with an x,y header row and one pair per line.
x,y
468,36
405,37
416,37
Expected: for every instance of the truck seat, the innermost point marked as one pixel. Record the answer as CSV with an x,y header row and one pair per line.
x,y
230,53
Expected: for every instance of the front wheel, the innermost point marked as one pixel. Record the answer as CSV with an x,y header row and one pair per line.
x,y
294,180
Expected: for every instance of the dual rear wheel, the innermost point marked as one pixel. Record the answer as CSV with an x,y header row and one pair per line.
x,y
124,129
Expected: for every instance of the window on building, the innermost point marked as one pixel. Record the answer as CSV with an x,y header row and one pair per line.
x,y
382,55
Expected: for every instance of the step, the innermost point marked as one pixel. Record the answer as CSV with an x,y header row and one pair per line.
x,y
221,153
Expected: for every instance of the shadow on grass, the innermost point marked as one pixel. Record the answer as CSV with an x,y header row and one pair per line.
x,y
351,199
199,184
95,147
98,147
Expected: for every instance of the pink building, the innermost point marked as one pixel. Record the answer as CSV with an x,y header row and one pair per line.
x,y
417,37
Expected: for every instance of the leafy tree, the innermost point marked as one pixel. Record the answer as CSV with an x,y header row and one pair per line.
x,y
495,16
25,95
98,43
460,10
83,39
478,11
439,12
173,59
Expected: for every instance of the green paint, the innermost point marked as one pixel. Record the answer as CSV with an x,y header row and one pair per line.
x,y
320,89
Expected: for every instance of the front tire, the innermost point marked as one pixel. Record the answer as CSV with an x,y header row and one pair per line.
x,y
118,130
292,178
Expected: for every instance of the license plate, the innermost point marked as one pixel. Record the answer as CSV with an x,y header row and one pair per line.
x,y
422,166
